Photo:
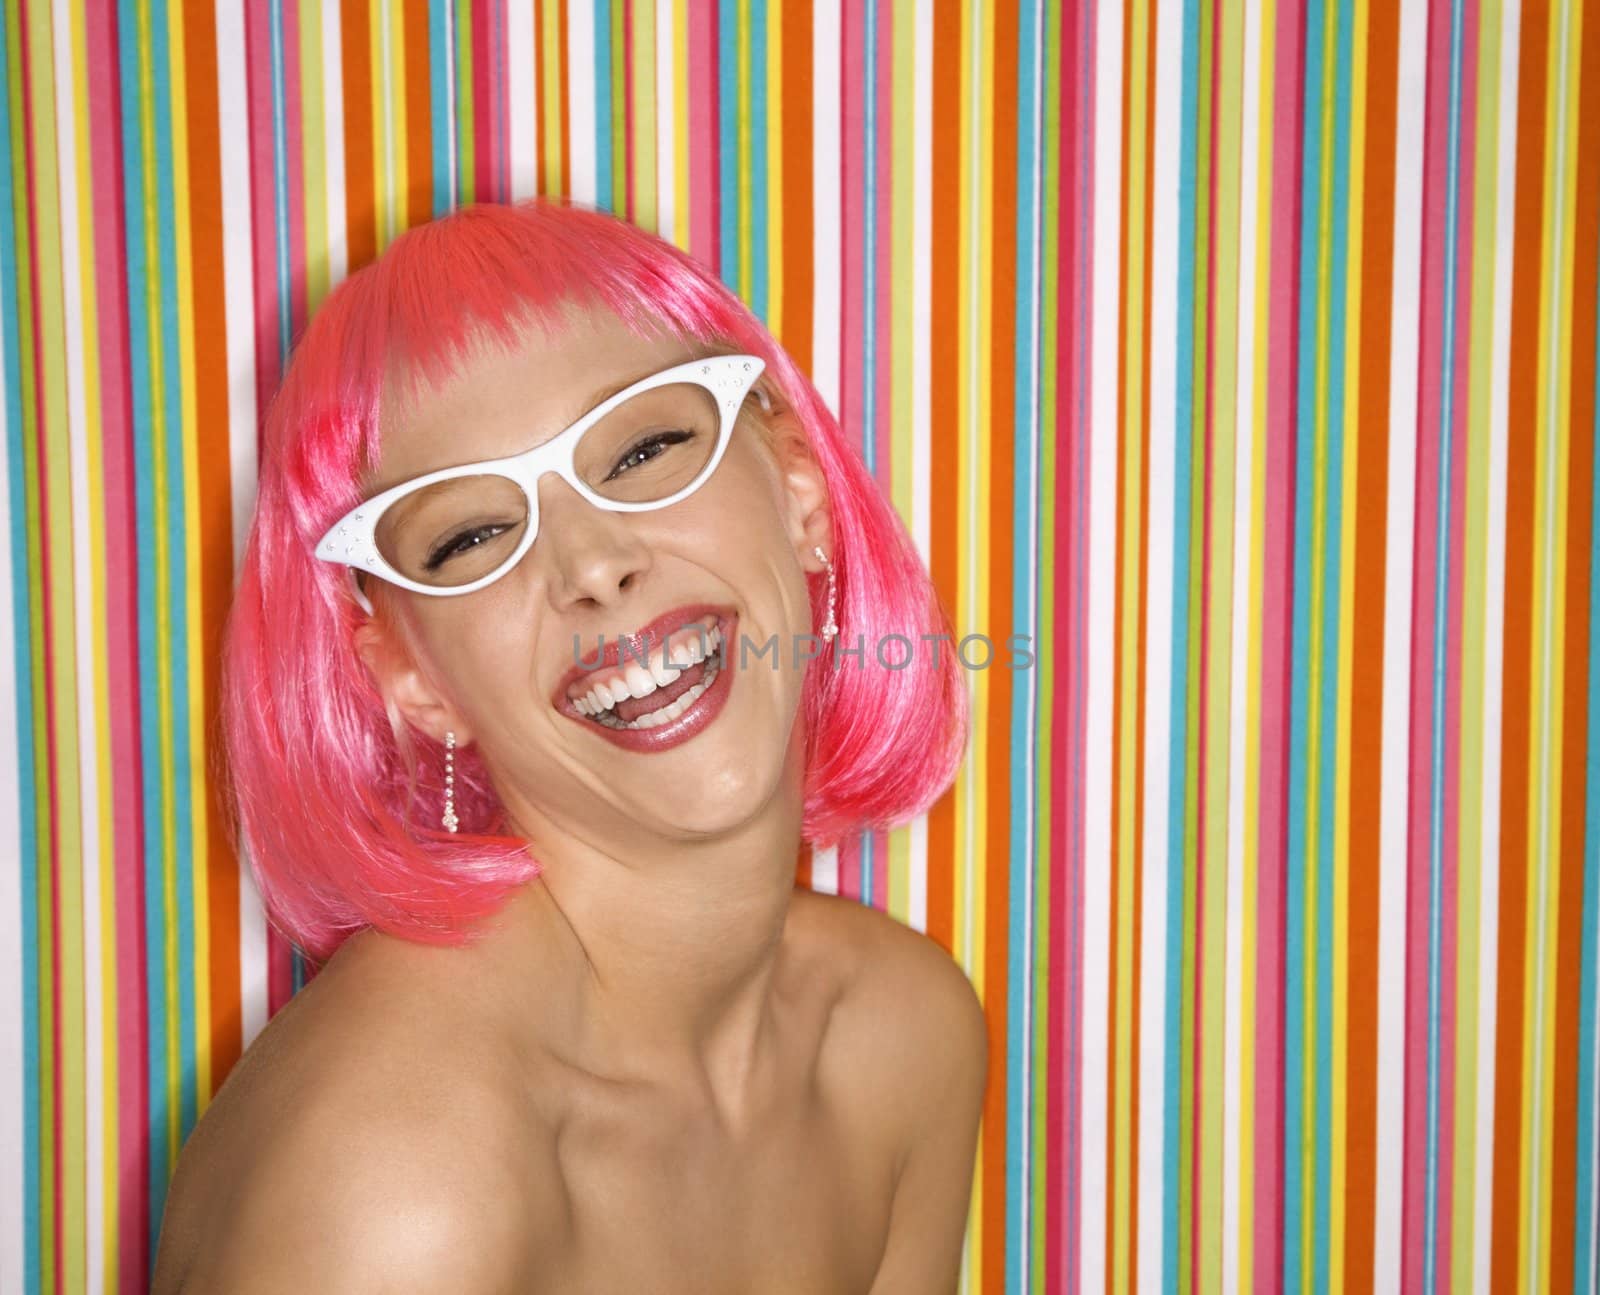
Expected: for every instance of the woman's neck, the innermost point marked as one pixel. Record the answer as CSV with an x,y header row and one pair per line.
x,y
661,969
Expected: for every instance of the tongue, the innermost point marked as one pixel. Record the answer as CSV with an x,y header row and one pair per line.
x,y
630,708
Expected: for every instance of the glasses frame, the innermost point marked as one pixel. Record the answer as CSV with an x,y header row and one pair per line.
x,y
353,539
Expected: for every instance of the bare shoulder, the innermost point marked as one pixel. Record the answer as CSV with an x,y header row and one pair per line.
x,y
360,1143
908,1039
904,1004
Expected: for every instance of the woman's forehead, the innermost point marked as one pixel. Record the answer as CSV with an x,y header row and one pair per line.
x,y
501,402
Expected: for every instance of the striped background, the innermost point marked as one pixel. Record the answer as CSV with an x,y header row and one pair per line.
x,y
1241,352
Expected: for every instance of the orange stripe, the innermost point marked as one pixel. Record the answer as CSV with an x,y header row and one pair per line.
x,y
1002,359
1524,376
1580,505
216,522
419,125
794,329
1366,706
944,365
361,232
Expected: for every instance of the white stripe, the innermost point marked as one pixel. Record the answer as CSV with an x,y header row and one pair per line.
x,y
333,144
239,308
1239,683
1154,953
1103,437
13,1077
825,870
921,274
522,95
1404,307
580,103
666,158
83,534
827,143
1494,646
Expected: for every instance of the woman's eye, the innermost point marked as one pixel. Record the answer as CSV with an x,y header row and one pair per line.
x,y
655,443
461,542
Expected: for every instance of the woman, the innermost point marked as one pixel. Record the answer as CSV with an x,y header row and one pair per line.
x,y
519,763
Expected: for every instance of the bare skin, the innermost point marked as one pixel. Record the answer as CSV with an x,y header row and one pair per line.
x,y
661,1068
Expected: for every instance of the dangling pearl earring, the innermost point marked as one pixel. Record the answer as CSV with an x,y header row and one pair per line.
x,y
831,628
449,819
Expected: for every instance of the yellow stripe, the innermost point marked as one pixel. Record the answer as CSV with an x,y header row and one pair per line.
x,y
1126,774
314,164
901,31
742,145
646,156
964,934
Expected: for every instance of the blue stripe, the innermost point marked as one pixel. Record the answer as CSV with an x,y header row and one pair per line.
x,y
1441,611
438,104
1024,702
728,263
870,288
1586,1226
1182,631
1331,547
605,196
27,827
181,850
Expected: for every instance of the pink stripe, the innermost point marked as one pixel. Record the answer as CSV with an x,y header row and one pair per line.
x,y
852,397
884,237
127,1228
488,110
703,150
263,243
1277,605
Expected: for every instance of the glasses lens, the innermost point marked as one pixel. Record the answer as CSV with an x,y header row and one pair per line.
x,y
652,445
454,531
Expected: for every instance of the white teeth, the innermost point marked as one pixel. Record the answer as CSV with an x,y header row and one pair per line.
x,y
667,713
639,679
640,682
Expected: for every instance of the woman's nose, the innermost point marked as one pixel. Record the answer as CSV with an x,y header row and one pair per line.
x,y
591,553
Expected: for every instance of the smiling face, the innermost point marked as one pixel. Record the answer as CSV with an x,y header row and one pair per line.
x,y
703,750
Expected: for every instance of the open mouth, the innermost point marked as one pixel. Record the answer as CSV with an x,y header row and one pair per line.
x,y
638,695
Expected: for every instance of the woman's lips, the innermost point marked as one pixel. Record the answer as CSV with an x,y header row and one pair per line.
x,y
677,731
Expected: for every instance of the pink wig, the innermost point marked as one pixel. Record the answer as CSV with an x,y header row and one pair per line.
x,y
336,812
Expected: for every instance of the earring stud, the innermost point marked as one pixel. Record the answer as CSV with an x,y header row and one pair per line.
x,y
832,627
449,819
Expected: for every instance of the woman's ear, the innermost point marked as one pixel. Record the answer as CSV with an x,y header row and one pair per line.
x,y
404,686
808,514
